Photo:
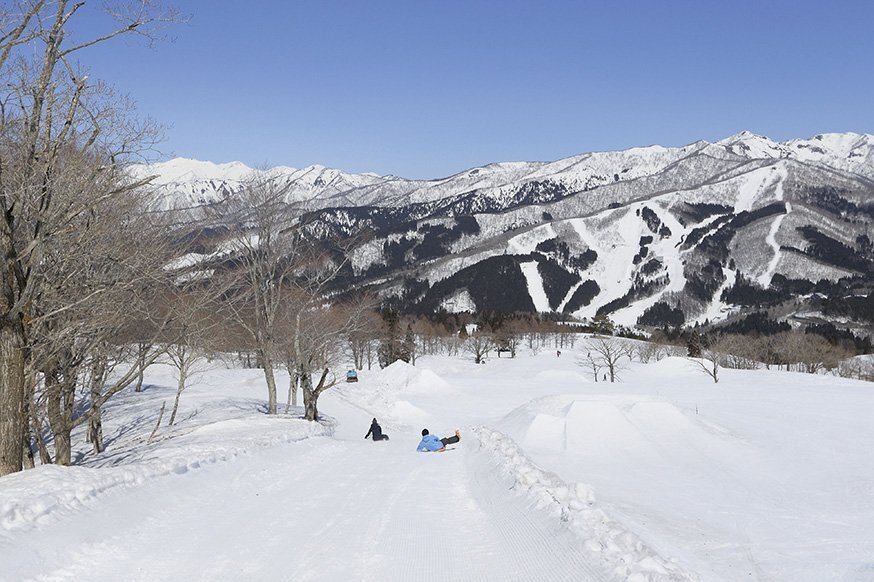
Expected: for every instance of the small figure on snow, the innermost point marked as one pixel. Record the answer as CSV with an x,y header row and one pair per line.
x,y
431,443
376,431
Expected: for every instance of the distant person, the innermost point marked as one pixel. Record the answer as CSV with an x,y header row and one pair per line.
x,y
557,353
431,443
376,431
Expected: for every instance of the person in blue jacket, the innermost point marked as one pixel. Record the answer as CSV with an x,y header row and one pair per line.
x,y
431,443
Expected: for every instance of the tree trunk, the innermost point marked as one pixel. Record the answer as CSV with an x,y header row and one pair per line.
x,y
141,361
306,388
292,386
157,424
95,417
267,361
357,347
311,411
27,460
60,403
311,397
45,457
12,392
63,447
27,439
180,386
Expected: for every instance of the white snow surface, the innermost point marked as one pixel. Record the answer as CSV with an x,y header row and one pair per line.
x,y
535,286
664,476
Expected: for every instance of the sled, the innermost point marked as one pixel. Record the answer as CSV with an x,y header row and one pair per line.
x,y
351,376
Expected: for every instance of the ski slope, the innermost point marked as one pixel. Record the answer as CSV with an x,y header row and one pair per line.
x,y
337,510
664,476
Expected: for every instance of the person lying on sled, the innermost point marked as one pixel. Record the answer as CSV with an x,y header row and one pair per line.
x,y
431,443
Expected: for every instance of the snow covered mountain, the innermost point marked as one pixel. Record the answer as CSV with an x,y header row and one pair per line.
x,y
650,236
187,182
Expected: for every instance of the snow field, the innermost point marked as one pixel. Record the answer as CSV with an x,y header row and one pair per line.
x,y
664,476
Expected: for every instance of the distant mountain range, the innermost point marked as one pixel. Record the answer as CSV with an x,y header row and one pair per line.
x,y
650,236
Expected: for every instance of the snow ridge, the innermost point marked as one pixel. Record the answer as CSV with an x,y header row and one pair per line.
x,y
621,551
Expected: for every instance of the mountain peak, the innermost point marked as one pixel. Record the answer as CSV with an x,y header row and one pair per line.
x,y
191,170
744,137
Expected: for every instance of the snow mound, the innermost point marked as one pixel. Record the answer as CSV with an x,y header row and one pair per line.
x,y
34,496
602,425
403,376
574,504
599,428
407,413
381,393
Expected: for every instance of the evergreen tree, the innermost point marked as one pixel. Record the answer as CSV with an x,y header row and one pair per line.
x,y
601,324
694,345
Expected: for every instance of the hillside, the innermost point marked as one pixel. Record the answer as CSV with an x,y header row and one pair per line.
x,y
711,230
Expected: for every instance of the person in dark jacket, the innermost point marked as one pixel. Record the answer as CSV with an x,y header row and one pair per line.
x,y
431,443
376,431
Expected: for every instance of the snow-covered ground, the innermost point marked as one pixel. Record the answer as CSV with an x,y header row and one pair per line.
x,y
664,476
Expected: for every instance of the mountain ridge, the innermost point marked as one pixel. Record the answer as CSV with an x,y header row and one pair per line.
x,y
707,229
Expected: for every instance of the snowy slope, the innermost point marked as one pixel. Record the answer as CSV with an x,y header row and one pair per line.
x,y
660,477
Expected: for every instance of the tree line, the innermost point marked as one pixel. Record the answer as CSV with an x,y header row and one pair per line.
x,y
97,283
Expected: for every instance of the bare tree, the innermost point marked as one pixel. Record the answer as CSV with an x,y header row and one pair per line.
x,y
740,352
819,354
100,286
143,351
592,363
710,362
50,115
804,351
361,338
317,346
608,353
264,245
648,351
533,342
479,344
859,368
185,358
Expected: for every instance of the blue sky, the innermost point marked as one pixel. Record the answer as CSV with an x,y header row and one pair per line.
x,y
426,88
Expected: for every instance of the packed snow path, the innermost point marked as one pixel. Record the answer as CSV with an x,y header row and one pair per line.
x,y
322,509
664,477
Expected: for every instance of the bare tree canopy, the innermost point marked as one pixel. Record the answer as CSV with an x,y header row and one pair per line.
x,y
64,143
604,353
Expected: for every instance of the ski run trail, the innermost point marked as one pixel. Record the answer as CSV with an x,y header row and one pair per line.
x,y
556,478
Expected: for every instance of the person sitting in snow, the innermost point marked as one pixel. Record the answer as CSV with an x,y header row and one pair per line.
x,y
376,431
431,443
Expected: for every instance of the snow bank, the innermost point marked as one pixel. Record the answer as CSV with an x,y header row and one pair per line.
x,y
34,496
401,376
574,504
